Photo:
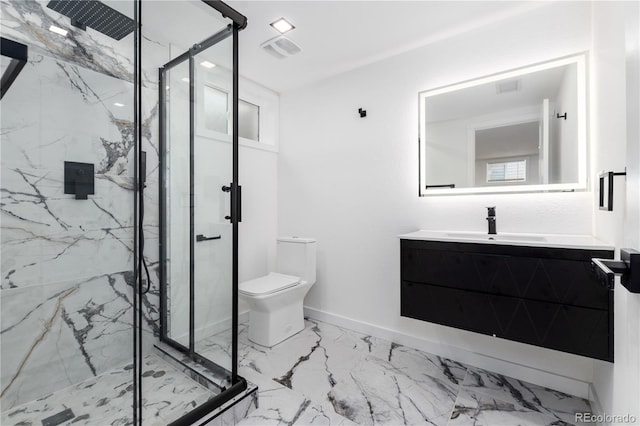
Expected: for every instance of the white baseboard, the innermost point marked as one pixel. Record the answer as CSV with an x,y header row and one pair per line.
x,y
536,376
596,405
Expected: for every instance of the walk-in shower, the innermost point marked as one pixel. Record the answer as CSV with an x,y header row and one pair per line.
x,y
85,338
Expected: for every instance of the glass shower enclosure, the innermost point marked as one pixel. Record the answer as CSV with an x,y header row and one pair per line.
x,y
118,295
200,204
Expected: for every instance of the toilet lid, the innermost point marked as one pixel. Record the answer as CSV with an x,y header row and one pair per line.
x,y
268,284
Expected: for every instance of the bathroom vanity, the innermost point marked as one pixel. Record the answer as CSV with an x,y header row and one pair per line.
x,y
535,289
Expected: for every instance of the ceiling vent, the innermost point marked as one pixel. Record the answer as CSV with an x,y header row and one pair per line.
x,y
507,86
281,47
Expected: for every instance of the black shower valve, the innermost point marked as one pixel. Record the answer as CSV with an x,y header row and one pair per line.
x,y
362,112
79,179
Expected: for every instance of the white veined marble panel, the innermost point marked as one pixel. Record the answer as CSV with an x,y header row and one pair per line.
x,y
28,22
57,335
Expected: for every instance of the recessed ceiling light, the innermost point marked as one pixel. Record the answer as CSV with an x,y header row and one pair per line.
x,y
118,104
207,64
186,79
58,30
282,25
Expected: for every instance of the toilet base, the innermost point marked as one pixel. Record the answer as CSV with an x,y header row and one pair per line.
x,y
270,328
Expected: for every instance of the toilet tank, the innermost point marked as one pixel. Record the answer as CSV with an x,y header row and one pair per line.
x,y
297,256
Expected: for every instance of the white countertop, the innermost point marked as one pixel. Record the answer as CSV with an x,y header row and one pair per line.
x,y
528,240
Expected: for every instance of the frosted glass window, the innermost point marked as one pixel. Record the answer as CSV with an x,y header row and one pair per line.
x,y
216,109
248,120
512,171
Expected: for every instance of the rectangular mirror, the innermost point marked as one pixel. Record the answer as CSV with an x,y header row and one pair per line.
x,y
516,131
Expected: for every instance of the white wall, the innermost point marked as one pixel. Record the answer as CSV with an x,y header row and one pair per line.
x,y
615,97
352,182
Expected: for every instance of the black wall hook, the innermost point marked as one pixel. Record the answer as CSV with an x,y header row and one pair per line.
x,y
362,112
561,116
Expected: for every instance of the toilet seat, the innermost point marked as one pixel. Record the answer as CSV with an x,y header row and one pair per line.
x,y
268,284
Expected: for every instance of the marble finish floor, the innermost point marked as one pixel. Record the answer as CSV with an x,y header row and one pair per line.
x,y
107,398
332,376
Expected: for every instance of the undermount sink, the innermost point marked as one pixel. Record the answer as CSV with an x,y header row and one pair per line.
x,y
514,239
496,237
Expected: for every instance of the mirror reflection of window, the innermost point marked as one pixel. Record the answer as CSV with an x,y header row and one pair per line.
x,y
509,171
248,120
502,154
216,108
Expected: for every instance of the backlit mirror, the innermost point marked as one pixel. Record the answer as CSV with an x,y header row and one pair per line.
x,y
520,130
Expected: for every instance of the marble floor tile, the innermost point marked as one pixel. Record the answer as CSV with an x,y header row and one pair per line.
x,y
326,375
477,409
107,398
348,375
276,403
526,395
329,375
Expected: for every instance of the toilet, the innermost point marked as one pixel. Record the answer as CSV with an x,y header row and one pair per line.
x,y
275,300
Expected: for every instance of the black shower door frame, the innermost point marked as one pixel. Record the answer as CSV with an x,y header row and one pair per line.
x,y
238,384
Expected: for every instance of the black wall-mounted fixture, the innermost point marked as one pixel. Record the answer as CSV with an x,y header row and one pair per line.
x,y
628,267
201,237
447,185
17,54
78,179
491,220
561,116
607,203
143,170
95,14
362,112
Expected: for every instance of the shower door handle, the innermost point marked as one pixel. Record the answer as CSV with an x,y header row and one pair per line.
x,y
201,237
236,202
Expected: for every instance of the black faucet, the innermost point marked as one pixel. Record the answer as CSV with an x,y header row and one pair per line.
x,y
491,219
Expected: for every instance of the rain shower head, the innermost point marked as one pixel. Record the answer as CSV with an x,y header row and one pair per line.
x,y
94,14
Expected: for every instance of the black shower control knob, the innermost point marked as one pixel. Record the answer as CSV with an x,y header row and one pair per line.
x,y
228,217
226,188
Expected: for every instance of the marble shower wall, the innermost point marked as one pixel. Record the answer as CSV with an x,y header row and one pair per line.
x,y
67,265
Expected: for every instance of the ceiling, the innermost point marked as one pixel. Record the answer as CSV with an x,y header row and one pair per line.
x,y
335,36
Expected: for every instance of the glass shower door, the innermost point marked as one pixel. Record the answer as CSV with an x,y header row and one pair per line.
x,y
213,173
177,201
199,241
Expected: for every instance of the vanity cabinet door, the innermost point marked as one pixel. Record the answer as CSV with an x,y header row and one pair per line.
x,y
554,275
541,296
447,306
577,330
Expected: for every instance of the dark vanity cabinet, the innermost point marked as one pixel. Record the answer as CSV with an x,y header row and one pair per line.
x,y
543,296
